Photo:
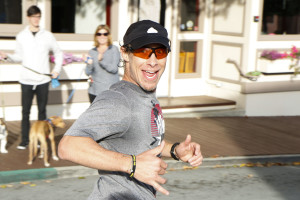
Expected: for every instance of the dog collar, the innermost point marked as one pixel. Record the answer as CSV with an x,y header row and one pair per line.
x,y
49,121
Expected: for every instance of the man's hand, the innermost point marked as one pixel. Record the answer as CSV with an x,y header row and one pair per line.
x,y
188,151
149,167
3,55
54,74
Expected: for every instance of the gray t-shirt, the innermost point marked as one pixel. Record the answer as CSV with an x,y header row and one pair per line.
x,y
123,119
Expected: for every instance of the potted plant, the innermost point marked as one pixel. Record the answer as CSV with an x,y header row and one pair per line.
x,y
273,61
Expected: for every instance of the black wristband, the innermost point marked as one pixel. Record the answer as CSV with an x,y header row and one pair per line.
x,y
132,170
172,152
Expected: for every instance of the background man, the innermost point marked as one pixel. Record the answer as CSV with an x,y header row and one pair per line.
x,y
33,45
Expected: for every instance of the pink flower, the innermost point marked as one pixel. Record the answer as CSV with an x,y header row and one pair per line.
x,y
274,55
294,49
52,58
67,59
292,55
284,55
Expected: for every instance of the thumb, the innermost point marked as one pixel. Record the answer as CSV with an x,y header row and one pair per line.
x,y
188,140
157,150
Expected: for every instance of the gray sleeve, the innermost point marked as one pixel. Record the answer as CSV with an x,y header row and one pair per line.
x,y
108,117
111,60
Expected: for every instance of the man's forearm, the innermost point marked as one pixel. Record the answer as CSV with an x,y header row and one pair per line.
x,y
85,151
167,149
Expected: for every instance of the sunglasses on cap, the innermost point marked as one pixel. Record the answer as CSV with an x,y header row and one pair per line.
x,y
99,34
146,52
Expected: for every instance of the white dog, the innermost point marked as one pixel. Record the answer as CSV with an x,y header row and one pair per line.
x,y
3,136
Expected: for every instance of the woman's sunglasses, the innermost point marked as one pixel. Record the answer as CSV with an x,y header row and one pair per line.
x,y
99,34
145,53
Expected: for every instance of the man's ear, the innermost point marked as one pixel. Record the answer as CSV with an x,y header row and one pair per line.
x,y
125,55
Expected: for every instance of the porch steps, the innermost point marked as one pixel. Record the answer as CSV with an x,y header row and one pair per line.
x,y
197,106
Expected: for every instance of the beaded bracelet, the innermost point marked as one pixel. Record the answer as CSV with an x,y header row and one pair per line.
x,y
132,170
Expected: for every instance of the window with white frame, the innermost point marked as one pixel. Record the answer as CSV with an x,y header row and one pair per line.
x,y
10,11
67,19
190,12
13,16
281,17
79,17
187,57
191,20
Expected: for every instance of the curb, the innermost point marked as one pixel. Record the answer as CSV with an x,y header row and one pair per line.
x,y
27,174
237,160
80,171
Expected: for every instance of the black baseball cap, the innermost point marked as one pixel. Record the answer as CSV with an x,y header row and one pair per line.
x,y
146,32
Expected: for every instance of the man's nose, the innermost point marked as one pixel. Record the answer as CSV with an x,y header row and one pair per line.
x,y
152,60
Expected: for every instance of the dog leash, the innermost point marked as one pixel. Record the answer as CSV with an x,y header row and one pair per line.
x,y
54,81
73,91
37,71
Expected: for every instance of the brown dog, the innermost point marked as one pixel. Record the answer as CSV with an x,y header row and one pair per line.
x,y
39,131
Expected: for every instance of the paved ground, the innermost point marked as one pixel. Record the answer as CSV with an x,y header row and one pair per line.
x,y
219,137
209,183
